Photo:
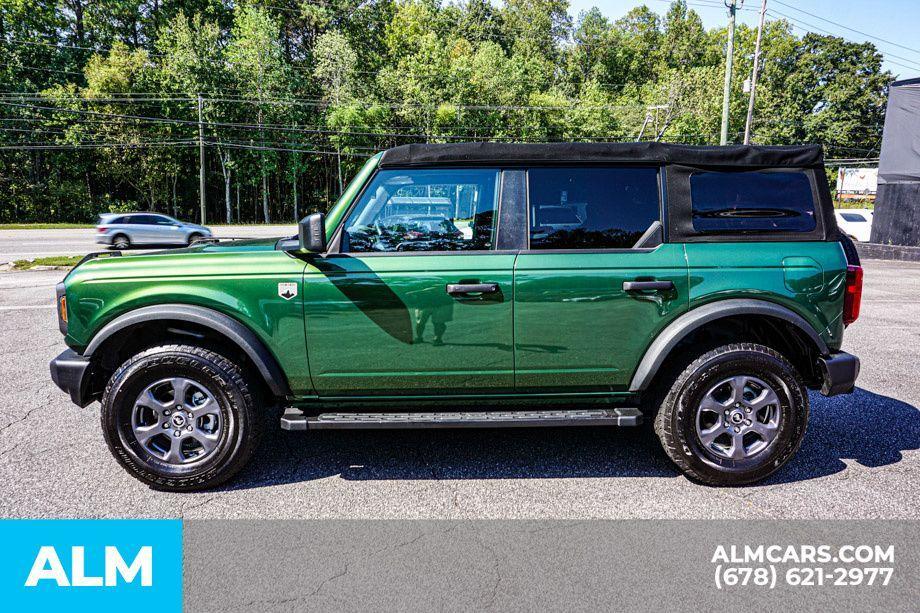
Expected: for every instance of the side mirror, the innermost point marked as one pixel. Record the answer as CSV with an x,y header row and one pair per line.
x,y
312,233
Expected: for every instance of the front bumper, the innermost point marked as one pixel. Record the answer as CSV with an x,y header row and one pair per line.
x,y
838,373
70,371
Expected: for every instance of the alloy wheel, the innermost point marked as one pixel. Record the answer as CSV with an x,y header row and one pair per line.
x,y
177,420
738,417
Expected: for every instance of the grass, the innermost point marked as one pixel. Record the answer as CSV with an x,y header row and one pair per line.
x,y
43,226
55,260
854,204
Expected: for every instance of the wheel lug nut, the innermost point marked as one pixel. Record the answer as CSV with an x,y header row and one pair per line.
x,y
166,424
737,429
189,428
747,410
189,413
747,422
166,412
177,433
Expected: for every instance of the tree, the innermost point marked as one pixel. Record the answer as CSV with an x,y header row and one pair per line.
x,y
255,58
99,109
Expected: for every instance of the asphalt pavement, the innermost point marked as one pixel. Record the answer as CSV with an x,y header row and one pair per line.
x,y
859,459
30,244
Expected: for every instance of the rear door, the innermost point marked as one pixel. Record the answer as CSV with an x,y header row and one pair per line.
x,y
415,298
589,298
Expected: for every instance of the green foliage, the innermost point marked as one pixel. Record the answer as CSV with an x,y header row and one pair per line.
x,y
101,110
56,261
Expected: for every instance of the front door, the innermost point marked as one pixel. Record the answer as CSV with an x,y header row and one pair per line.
x,y
416,301
581,324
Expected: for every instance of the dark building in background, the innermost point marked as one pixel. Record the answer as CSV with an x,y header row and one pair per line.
x,y
897,204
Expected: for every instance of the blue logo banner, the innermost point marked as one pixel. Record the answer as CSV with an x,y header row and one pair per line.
x,y
91,565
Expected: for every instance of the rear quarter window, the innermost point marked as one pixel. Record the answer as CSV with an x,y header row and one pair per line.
x,y
779,201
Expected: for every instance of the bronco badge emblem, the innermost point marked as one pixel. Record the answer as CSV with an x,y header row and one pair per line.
x,y
287,290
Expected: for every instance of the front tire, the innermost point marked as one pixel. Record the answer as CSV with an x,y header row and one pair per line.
x,y
194,236
734,416
180,418
121,242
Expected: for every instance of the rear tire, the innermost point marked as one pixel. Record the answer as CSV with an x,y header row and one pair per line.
x,y
181,418
733,416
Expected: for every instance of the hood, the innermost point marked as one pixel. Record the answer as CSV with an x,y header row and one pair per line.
x,y
226,246
198,260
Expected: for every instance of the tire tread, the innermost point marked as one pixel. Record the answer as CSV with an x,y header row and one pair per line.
x,y
664,425
230,375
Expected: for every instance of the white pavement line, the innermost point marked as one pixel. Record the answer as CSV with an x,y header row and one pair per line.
x,y
26,307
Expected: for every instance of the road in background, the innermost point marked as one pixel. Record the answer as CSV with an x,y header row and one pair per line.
x,y
860,456
29,244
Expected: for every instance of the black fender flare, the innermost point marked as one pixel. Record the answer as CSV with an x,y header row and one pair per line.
x,y
223,324
678,329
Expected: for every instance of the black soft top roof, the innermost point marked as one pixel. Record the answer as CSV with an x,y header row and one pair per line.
x,y
799,156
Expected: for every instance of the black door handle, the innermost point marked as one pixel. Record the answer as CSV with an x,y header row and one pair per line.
x,y
639,286
466,289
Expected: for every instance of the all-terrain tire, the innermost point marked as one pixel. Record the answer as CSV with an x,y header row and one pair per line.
x,y
237,410
676,419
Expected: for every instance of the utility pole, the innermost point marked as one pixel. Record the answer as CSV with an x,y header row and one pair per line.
x,y
750,113
729,53
201,162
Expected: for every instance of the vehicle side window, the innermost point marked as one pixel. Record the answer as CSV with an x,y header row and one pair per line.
x,y
425,210
591,208
144,220
161,221
853,217
756,201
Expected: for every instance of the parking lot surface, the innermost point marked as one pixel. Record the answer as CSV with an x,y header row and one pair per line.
x,y
859,459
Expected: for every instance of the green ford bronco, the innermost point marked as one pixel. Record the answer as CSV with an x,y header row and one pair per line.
x,y
703,289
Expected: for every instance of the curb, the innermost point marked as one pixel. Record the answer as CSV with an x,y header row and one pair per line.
x,y
876,251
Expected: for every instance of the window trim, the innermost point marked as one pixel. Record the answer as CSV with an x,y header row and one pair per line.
x,y
334,246
661,209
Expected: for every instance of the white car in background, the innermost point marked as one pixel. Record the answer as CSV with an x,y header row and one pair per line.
x,y
855,223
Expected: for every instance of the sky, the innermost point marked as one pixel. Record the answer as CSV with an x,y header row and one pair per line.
x,y
895,21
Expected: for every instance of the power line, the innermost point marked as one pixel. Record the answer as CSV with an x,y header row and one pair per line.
x,y
793,20
139,145
889,42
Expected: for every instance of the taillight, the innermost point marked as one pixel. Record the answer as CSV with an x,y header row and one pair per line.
x,y
853,296
101,228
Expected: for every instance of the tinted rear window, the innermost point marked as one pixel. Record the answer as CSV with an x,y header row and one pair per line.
x,y
853,217
591,208
754,201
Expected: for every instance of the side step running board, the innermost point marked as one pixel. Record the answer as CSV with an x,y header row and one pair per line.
x,y
296,419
